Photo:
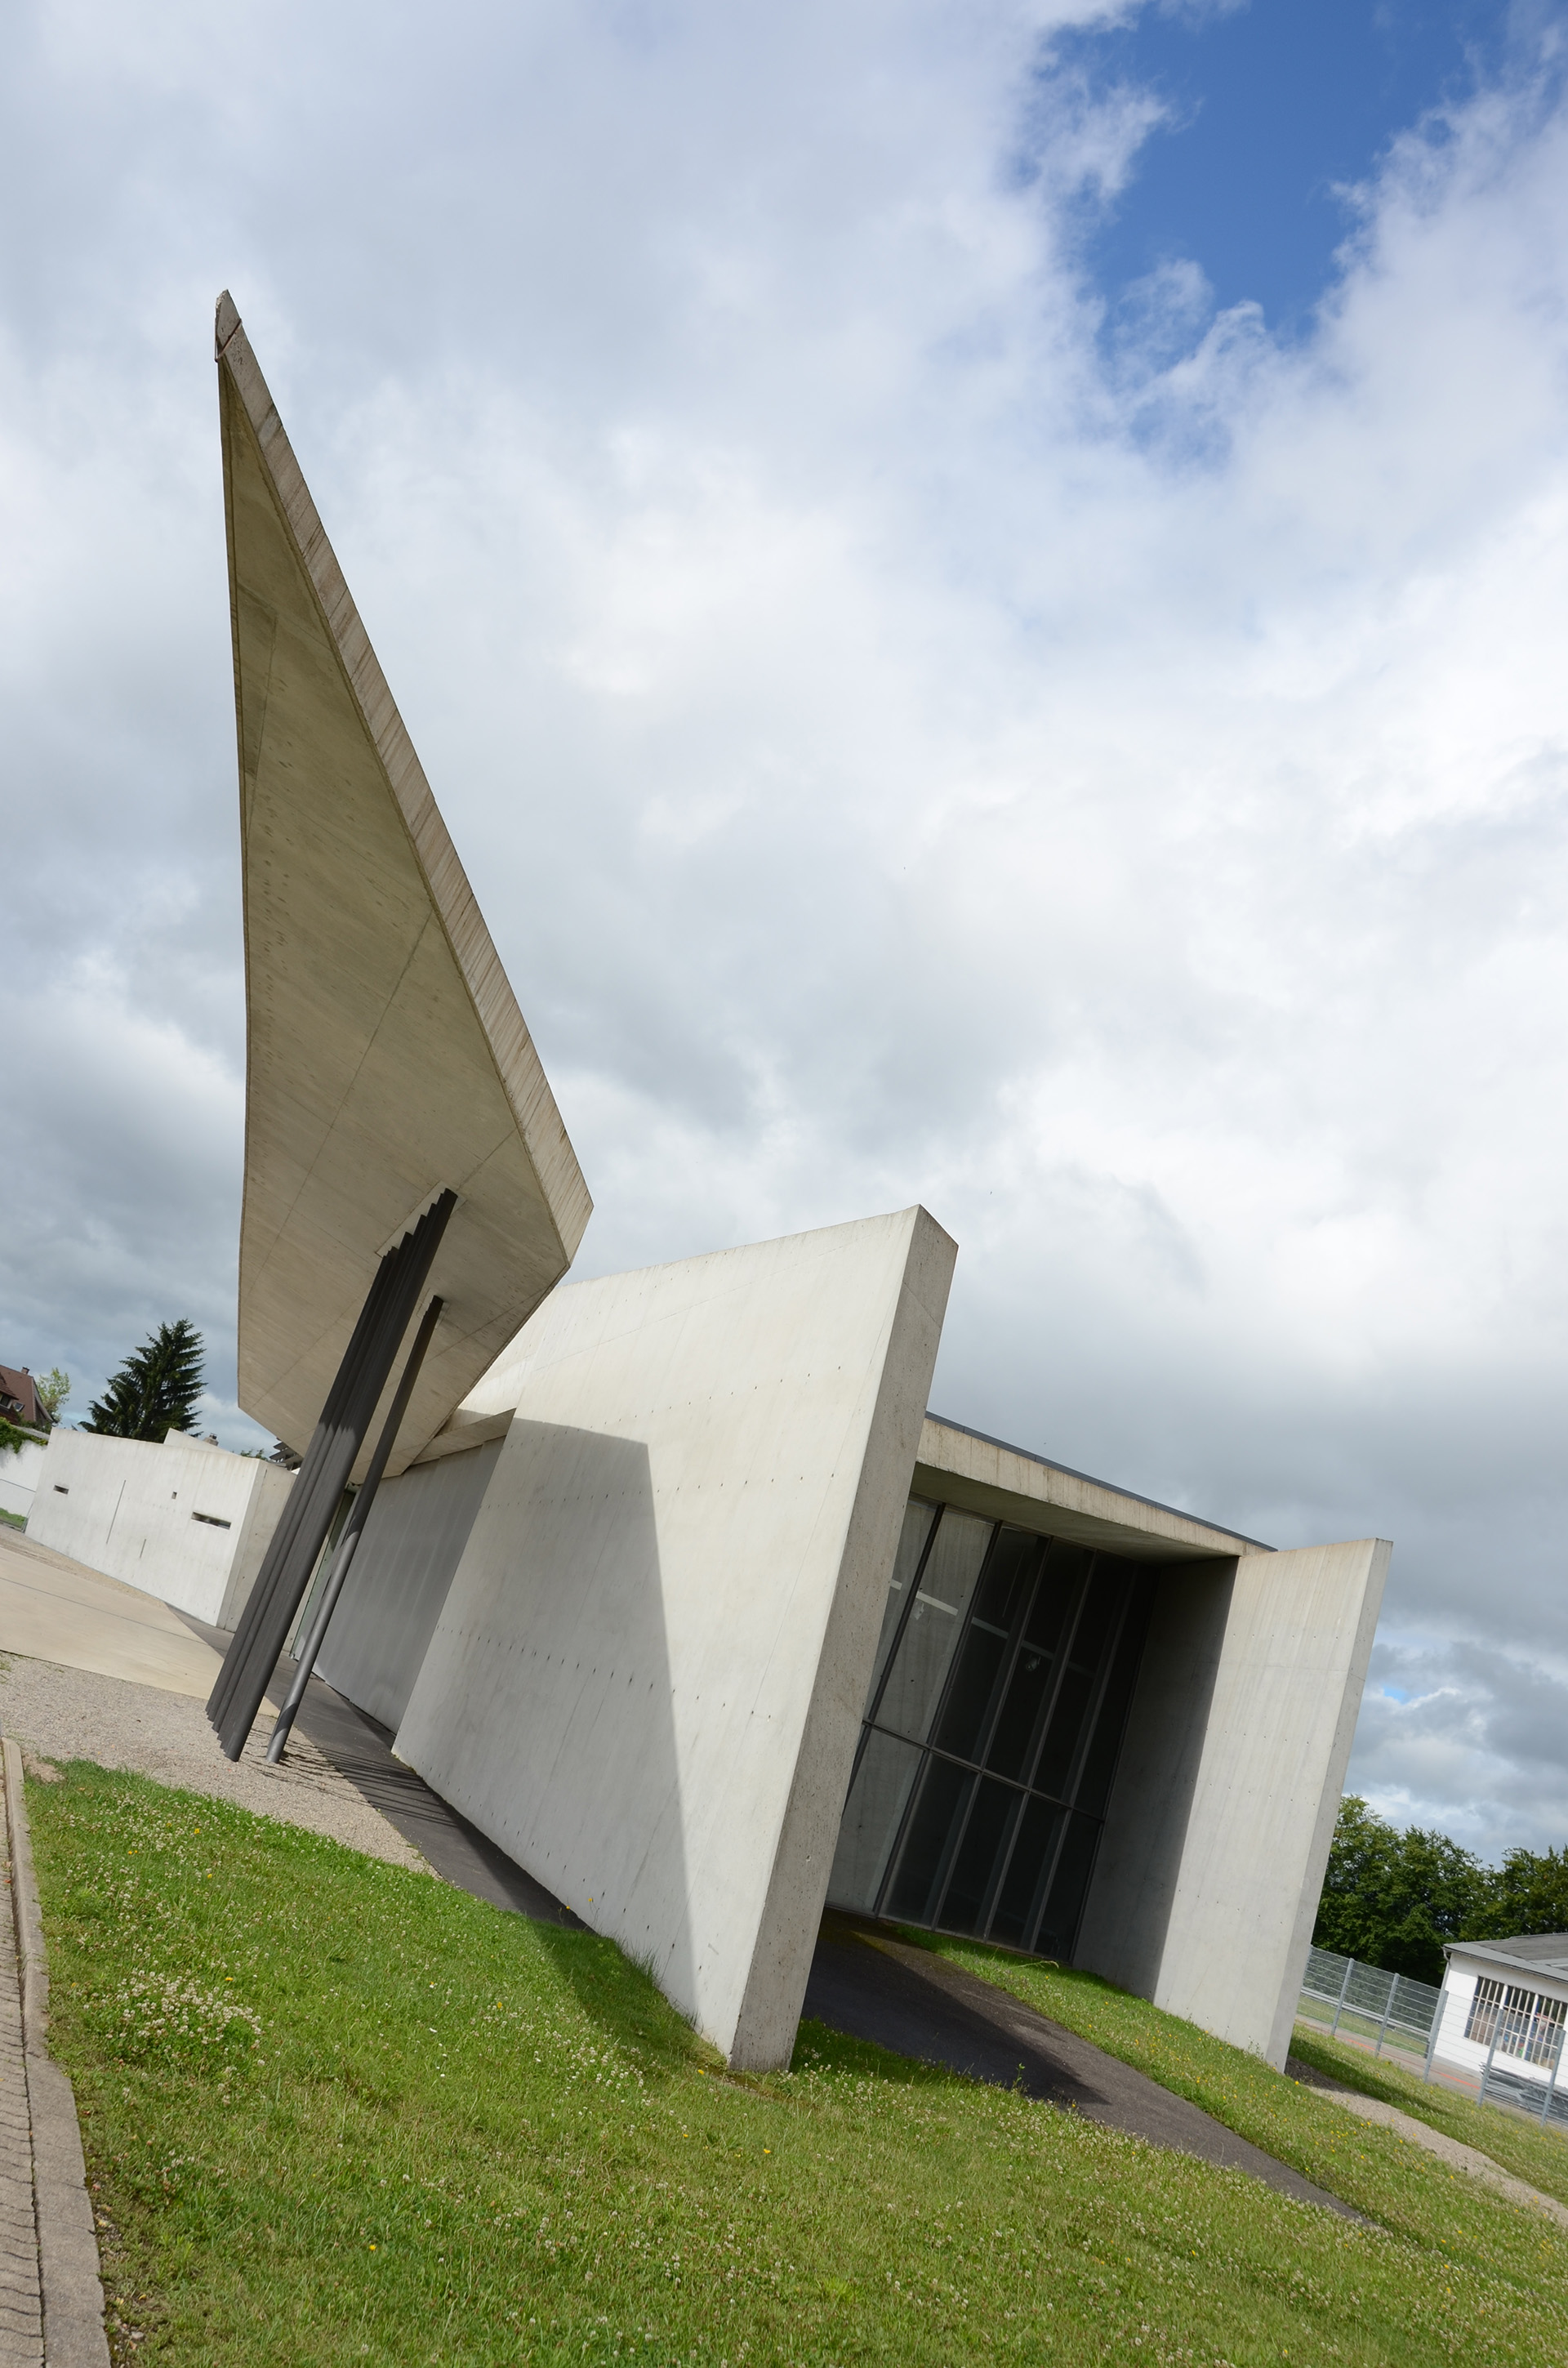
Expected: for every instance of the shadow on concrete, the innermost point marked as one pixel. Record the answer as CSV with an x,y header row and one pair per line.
x,y
361,1749
868,1984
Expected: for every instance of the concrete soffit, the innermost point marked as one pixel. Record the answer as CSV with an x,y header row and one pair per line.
x,y
386,1056
986,1475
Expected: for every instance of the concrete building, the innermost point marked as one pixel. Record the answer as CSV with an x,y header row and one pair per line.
x,y
669,1581
696,1612
182,1519
1502,2016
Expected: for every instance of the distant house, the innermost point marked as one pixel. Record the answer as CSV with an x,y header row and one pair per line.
x,y
19,1466
20,1400
1503,2016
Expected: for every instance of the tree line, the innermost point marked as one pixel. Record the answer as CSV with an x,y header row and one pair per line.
x,y
1392,1898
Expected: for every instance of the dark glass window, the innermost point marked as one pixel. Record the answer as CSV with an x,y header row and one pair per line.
x,y
1005,1672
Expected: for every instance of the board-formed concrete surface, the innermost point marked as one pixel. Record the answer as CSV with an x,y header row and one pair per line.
x,y
182,1519
1218,1829
647,1678
386,1057
412,1544
981,1475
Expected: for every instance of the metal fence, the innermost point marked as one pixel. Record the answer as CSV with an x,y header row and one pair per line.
x,y
1390,2008
1366,2003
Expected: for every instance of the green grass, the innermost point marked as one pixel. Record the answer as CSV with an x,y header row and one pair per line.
x,y
1518,2143
1279,2115
13,1521
335,2111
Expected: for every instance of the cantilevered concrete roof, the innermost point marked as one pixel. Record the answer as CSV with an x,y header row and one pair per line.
x,y
386,1057
1008,1484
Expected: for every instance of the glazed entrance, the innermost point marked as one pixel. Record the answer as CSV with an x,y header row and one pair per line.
x,y
1003,1673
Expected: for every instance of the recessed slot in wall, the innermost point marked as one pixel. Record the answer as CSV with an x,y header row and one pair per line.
x,y
213,1520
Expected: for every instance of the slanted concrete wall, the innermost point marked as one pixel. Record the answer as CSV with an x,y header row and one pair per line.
x,y
181,1520
19,1470
647,1679
1233,1849
1138,1869
399,1578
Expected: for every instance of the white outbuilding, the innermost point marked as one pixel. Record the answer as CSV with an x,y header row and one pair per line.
x,y
1502,2017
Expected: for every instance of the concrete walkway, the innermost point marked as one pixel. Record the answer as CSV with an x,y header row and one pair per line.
x,y
21,2301
51,2299
52,1608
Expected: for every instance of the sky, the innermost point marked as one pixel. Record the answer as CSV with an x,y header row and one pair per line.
x,y
983,588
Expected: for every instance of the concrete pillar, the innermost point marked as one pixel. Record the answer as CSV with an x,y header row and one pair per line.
x,y
1219,1828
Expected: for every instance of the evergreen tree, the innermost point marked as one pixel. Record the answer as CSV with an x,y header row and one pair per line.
x,y
156,1389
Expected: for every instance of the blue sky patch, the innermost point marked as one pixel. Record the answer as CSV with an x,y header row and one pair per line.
x,y
1271,106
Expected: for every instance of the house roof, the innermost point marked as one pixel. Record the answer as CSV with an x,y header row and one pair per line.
x,y
386,1057
16,1386
1530,1953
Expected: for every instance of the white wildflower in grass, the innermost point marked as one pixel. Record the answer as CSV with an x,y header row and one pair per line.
x,y
159,2012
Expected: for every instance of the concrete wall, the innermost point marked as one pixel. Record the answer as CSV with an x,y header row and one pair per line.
x,y
1137,1871
181,1520
399,1578
19,1471
1219,1823
647,1680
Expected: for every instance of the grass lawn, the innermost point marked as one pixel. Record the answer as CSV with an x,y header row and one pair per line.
x,y
1284,2119
335,2111
13,1521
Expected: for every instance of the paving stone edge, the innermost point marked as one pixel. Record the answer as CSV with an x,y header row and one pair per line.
x,y
67,2240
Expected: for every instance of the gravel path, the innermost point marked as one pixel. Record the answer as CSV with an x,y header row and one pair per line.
x,y
61,1714
1452,2151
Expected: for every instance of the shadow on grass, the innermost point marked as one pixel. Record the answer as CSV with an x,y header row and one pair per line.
x,y
622,1999
819,2048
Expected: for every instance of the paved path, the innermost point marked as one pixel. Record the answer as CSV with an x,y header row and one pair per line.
x,y
869,1986
21,2306
52,1608
52,2298
1452,2151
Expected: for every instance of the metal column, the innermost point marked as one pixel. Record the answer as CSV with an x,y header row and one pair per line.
x,y
359,1516
351,1402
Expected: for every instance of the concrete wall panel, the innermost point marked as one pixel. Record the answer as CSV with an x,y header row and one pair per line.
x,y
183,1521
1137,1871
399,1578
21,1468
647,1679
1282,1715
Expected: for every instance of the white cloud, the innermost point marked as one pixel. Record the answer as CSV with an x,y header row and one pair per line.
x,y
909,740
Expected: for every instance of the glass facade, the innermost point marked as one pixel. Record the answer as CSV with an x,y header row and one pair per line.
x,y
1003,1676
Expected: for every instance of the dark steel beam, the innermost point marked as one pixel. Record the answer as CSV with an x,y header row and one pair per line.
x,y
359,1515
297,1541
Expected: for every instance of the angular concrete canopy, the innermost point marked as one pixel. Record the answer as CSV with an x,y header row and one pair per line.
x,y
386,1057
